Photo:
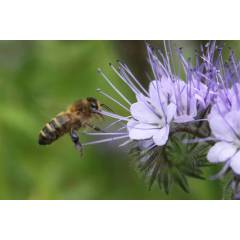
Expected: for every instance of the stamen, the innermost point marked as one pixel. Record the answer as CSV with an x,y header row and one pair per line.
x,y
103,134
105,140
113,115
166,53
183,61
112,124
157,67
114,87
125,143
238,77
121,128
123,75
111,98
133,77
125,79
152,128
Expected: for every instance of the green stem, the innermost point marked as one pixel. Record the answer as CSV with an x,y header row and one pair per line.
x,y
190,130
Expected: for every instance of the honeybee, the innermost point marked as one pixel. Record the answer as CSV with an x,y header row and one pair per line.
x,y
79,115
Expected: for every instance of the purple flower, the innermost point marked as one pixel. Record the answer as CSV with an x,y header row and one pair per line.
x,y
177,104
224,117
168,100
182,93
226,130
151,116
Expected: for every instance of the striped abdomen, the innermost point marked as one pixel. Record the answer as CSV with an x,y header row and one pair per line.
x,y
54,129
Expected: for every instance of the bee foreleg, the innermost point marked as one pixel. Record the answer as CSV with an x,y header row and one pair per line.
x,y
75,139
95,128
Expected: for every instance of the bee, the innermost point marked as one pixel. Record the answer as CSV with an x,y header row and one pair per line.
x,y
77,116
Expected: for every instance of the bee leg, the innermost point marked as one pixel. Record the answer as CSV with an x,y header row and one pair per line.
x,y
97,129
75,139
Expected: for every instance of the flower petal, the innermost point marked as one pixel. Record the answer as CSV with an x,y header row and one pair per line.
x,y
142,131
171,111
160,137
235,163
221,152
158,96
141,98
233,119
143,113
131,123
220,127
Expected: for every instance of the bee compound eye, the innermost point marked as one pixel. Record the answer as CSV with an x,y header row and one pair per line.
x,y
94,106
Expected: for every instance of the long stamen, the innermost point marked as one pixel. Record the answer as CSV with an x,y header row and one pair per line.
x,y
113,86
103,134
166,53
113,115
123,75
105,140
125,79
238,77
183,60
125,143
121,128
164,64
133,77
113,99
112,124
171,57
141,128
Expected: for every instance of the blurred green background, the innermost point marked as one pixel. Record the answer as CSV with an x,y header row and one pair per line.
x,y
39,79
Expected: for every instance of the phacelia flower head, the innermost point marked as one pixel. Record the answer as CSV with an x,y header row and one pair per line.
x,y
169,100
186,101
224,119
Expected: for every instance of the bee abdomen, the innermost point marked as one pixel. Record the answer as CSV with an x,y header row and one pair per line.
x,y
54,129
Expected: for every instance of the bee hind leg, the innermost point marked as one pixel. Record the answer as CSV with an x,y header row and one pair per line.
x,y
75,139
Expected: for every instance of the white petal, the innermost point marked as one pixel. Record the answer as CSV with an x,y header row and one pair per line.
x,y
235,163
233,119
171,111
143,113
160,137
166,83
220,127
157,95
141,98
142,131
131,123
221,152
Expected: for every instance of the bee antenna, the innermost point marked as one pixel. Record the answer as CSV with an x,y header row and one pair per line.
x,y
106,107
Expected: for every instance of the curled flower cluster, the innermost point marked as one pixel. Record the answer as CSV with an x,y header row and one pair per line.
x,y
197,104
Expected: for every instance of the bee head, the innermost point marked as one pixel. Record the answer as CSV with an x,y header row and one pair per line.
x,y
94,104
